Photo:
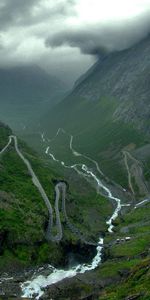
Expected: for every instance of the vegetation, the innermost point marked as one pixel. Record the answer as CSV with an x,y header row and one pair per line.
x,y
129,259
135,286
24,215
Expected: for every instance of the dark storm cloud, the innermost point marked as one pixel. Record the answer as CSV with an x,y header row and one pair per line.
x,y
12,11
24,26
94,39
56,34
20,12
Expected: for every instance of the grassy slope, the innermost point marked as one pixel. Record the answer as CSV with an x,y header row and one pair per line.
x,y
131,259
23,213
125,274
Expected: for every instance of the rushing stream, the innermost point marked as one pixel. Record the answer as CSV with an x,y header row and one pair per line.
x,y
36,285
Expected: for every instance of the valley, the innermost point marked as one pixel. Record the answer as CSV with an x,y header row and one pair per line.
x,y
75,181
120,239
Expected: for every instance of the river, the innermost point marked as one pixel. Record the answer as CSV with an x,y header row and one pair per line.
x,y
36,285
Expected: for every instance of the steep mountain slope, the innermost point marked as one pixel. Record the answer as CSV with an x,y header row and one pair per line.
x,y
125,77
26,93
108,111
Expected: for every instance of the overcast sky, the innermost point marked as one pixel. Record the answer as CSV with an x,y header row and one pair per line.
x,y
64,36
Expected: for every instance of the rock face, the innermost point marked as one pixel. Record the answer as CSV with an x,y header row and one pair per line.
x,y
85,286
124,76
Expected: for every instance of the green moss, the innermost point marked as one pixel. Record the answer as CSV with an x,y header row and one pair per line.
x,y
137,283
136,246
50,252
112,268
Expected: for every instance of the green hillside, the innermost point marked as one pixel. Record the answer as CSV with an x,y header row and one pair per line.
x,y
24,215
125,271
130,260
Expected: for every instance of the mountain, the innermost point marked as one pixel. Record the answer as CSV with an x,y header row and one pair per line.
x,y
102,154
104,124
123,76
108,110
26,93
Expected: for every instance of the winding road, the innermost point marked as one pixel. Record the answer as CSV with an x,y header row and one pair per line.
x,y
125,153
135,171
36,182
69,224
85,171
35,286
60,189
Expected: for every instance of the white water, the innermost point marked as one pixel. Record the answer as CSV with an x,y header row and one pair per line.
x,y
5,279
75,153
141,203
47,149
42,137
109,195
37,284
